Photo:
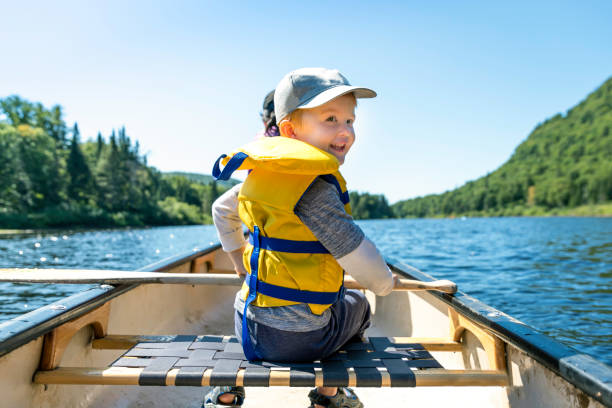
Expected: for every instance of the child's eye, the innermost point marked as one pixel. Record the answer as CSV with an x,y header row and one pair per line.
x,y
350,121
331,119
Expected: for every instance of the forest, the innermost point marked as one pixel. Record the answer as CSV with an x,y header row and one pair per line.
x,y
49,178
564,164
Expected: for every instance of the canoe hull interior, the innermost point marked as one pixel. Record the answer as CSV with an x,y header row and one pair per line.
x,y
184,309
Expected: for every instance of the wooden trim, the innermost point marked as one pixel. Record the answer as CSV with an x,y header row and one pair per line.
x,y
385,378
171,376
129,376
352,377
279,378
206,377
430,343
318,377
56,341
493,346
125,341
80,375
460,378
240,377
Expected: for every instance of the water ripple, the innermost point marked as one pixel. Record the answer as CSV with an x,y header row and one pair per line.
x,y
552,273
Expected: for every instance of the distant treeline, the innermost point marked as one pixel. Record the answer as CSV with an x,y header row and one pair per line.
x,y
564,163
370,206
48,178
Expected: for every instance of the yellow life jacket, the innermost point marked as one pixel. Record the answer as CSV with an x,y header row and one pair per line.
x,y
286,263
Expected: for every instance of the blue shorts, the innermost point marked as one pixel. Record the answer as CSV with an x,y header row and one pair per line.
x,y
350,317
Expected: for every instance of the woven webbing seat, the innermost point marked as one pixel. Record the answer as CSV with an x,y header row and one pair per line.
x,y
192,356
190,360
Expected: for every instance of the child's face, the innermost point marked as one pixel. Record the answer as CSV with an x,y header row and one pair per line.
x,y
329,126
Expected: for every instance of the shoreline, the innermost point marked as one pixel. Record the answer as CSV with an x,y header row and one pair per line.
x,y
585,211
603,210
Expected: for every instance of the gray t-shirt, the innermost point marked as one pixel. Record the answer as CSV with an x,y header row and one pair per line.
x,y
321,210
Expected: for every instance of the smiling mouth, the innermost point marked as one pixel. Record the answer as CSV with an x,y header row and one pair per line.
x,y
340,148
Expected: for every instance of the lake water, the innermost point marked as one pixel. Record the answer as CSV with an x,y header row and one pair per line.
x,y
554,274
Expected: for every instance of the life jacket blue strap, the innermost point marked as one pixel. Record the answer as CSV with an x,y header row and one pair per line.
x,y
286,245
344,196
296,295
230,167
247,345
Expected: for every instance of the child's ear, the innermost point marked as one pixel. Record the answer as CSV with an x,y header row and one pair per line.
x,y
286,129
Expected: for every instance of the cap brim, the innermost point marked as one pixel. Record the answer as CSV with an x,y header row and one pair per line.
x,y
335,92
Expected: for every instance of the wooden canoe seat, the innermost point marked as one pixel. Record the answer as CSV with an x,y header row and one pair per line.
x,y
190,360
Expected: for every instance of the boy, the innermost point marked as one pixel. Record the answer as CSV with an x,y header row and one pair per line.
x,y
294,202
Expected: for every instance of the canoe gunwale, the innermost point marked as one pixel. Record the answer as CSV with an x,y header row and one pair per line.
x,y
583,371
16,332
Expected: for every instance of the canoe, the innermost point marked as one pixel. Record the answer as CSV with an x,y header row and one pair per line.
x,y
467,354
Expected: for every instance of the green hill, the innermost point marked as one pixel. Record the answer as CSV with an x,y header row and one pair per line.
x,y
564,164
202,178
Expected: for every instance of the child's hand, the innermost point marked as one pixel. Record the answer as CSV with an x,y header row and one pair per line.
x,y
396,280
236,258
240,271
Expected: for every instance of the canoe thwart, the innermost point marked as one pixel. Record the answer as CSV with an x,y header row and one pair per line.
x,y
211,277
190,360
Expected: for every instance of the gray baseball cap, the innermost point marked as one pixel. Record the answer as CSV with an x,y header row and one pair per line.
x,y
311,87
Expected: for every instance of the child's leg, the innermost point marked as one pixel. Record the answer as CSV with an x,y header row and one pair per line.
x,y
350,317
354,312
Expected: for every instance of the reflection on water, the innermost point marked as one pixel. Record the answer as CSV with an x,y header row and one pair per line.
x,y
552,273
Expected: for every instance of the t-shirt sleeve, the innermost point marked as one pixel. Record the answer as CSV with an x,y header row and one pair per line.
x,y
321,210
227,221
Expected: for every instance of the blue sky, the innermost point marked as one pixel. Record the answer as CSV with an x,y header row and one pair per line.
x,y
460,84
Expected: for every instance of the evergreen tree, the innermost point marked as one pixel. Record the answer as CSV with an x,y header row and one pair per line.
x,y
210,195
44,167
109,192
99,145
13,178
81,182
